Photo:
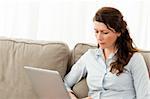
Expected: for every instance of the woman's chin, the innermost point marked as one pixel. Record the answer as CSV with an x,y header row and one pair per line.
x,y
101,46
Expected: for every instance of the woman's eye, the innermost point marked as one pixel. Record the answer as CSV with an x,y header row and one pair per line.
x,y
106,32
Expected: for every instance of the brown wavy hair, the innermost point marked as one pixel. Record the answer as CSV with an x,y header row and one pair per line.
x,y
113,18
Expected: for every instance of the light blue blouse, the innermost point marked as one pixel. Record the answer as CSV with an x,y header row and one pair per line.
x,y
131,84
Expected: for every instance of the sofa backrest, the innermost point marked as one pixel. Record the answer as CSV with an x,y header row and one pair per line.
x,y
16,53
146,55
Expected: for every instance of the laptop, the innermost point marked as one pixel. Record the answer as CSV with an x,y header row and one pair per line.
x,y
47,84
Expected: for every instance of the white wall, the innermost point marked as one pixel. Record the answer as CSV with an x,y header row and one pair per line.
x,y
70,21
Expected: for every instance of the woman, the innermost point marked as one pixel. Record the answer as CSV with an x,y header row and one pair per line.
x,y
115,70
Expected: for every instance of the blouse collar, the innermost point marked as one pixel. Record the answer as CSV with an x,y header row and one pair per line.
x,y
100,53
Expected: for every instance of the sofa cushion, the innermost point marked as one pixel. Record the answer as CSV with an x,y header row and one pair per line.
x,y
77,52
15,53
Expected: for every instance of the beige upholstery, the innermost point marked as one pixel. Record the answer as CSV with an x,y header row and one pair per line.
x,y
16,53
146,55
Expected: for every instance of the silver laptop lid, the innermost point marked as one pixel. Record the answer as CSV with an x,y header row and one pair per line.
x,y
47,84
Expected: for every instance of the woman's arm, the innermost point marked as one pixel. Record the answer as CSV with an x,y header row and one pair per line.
x,y
77,71
140,76
72,95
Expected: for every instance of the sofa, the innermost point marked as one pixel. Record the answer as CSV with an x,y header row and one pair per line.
x,y
17,53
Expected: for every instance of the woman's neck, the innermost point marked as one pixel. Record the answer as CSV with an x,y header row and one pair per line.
x,y
107,52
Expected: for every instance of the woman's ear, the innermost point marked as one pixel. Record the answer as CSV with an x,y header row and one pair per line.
x,y
118,34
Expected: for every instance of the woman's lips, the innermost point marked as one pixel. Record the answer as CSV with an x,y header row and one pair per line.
x,y
102,43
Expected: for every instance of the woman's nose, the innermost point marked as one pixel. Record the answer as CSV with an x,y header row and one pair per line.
x,y
99,36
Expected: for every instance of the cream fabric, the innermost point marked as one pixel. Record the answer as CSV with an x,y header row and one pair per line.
x,y
15,53
146,55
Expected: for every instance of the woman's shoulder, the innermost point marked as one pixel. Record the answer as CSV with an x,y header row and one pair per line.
x,y
137,55
93,51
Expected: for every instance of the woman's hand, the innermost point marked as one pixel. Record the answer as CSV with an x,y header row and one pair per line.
x,y
87,98
72,96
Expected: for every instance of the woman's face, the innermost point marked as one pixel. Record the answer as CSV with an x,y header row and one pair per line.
x,y
106,38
